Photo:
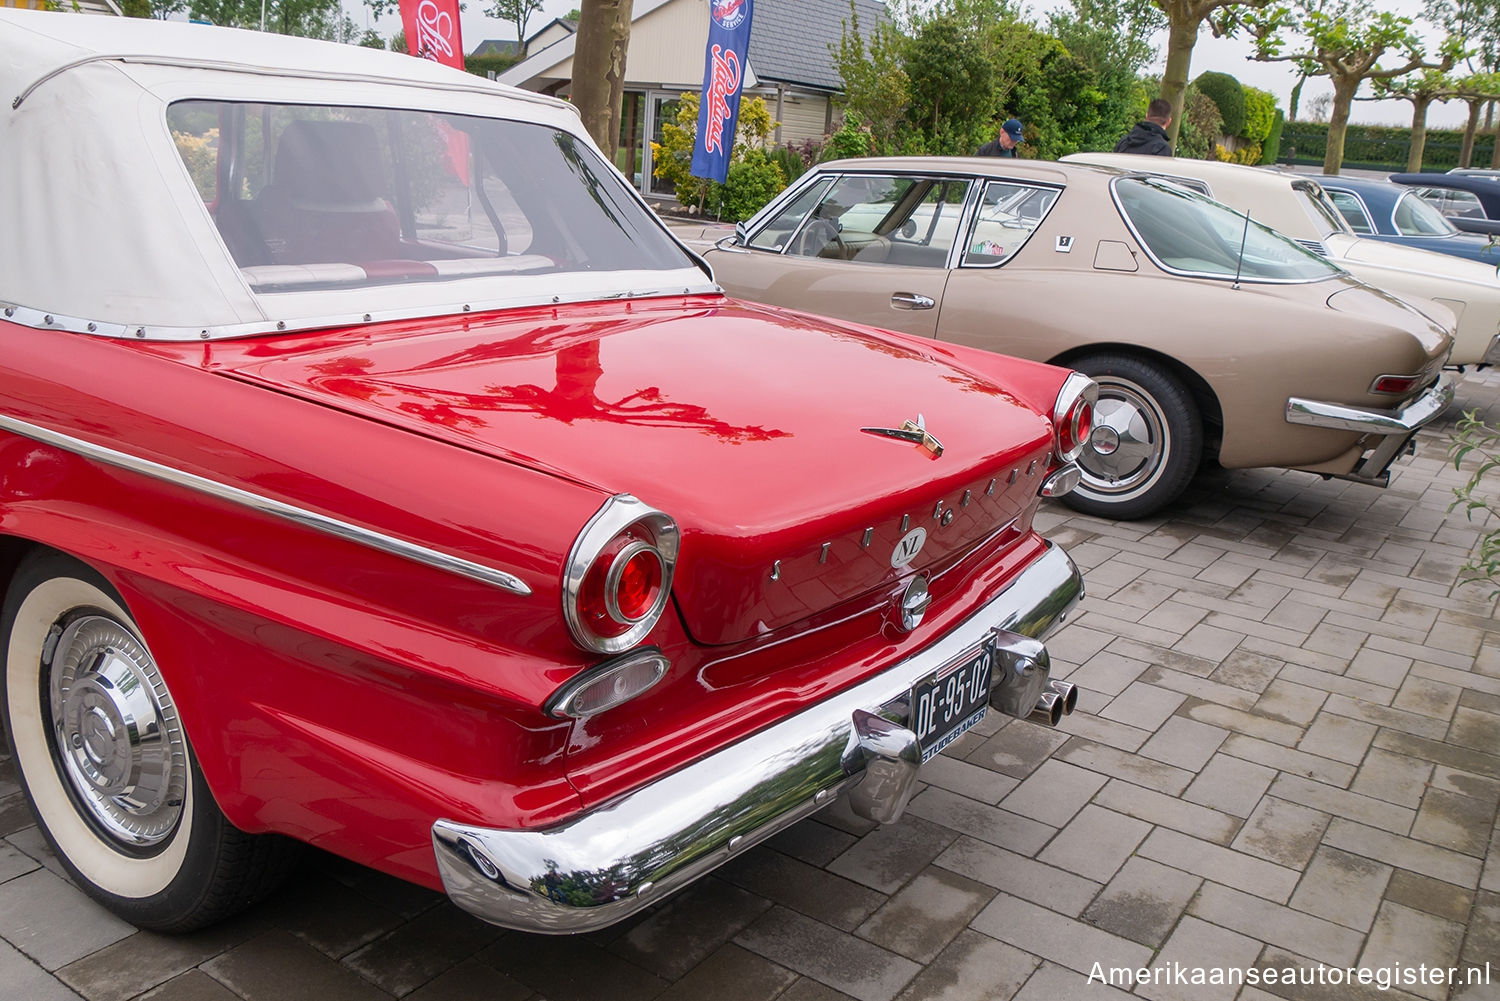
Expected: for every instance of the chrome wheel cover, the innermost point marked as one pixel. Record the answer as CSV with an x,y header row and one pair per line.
x,y
116,736
1127,447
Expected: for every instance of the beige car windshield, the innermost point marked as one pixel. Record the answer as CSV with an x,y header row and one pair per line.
x,y
309,197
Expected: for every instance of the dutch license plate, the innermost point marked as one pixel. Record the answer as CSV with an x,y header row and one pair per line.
x,y
947,704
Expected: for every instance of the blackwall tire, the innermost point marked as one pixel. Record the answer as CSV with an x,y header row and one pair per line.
x,y
1146,443
105,761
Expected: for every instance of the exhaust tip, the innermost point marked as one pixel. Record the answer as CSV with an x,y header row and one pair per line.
x,y
1048,711
1067,692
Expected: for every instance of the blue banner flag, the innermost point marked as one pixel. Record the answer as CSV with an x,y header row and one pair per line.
x,y
723,77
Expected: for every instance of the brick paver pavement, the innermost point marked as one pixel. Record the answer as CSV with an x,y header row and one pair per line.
x,y
1287,754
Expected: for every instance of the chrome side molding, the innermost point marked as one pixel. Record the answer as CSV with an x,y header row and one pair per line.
x,y
348,531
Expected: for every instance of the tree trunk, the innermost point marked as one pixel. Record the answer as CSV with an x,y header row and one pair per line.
x,y
1495,148
1466,152
599,68
1338,124
1418,134
1180,41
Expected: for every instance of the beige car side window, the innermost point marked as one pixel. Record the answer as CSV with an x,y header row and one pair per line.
x,y
884,219
1008,214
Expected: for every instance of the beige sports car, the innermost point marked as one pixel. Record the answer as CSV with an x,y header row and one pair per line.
x,y
1211,338
1296,205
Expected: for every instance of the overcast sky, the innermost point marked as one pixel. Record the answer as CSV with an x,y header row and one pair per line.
x,y
1226,55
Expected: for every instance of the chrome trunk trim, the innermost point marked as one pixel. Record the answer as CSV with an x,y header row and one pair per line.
x,y
615,859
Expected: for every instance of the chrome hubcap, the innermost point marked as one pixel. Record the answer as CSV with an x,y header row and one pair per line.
x,y
1128,442
117,735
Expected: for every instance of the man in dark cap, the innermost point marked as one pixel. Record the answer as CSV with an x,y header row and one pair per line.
x,y
1005,143
1150,137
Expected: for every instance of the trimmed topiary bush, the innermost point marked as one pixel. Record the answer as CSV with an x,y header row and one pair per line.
x,y
1228,95
1272,147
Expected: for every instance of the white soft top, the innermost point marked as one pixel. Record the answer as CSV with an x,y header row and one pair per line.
x,y
105,226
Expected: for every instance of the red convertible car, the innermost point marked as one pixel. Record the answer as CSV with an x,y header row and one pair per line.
x,y
377,472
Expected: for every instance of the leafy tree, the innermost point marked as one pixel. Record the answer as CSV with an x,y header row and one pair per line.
x,y
1058,98
517,12
1476,90
599,69
1421,89
952,86
1184,17
754,177
1343,40
1113,38
876,87
309,18
1477,22
371,39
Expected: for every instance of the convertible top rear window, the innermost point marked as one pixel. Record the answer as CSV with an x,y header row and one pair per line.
x,y
1190,234
308,197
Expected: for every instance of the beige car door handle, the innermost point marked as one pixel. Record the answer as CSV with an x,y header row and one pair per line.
x,y
911,300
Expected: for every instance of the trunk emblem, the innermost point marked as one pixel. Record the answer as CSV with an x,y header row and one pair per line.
x,y
908,548
914,431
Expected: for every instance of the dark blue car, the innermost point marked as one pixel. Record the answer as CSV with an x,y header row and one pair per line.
x,y
1397,214
1470,199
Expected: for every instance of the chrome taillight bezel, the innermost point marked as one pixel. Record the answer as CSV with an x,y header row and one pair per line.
x,y
1075,388
563,703
617,515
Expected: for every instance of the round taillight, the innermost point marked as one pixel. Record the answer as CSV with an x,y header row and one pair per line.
x,y
1077,426
1073,415
619,576
633,583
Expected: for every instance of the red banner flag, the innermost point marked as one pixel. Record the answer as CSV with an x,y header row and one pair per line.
x,y
432,31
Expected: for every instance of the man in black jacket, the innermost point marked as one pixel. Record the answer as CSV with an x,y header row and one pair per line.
x,y
1005,141
1150,137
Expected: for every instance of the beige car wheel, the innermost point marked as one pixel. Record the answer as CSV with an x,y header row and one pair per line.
x,y
1146,442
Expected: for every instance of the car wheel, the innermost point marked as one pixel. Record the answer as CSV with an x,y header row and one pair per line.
x,y
105,761
1146,441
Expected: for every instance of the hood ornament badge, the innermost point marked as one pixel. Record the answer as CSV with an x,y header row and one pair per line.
x,y
912,431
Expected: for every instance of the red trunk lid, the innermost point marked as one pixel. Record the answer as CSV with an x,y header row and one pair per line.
x,y
739,421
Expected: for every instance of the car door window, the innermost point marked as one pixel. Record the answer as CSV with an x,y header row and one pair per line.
x,y
1008,214
774,234
1353,212
1416,217
883,219
1461,204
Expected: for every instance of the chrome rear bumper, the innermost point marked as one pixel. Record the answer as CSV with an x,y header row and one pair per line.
x,y
1396,426
609,862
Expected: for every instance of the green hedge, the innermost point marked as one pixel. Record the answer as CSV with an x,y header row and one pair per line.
x,y
1382,146
483,65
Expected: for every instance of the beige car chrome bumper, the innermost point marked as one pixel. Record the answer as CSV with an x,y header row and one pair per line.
x,y
611,861
1396,426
